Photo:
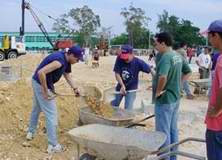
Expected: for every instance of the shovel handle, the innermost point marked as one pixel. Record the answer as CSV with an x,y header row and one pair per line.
x,y
138,122
135,90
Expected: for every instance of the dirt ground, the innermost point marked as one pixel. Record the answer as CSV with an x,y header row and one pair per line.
x,y
16,105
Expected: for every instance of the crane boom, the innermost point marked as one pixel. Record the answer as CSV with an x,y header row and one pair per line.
x,y
39,23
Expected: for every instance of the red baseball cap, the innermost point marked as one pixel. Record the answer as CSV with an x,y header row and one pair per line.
x,y
125,51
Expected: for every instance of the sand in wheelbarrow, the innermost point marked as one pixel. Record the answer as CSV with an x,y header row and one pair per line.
x,y
100,107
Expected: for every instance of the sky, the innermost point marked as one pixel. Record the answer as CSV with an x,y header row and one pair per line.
x,y
200,12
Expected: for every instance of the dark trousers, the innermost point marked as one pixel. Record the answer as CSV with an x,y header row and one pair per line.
x,y
204,73
214,145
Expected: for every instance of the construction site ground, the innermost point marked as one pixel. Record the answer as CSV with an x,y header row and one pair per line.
x,y
16,106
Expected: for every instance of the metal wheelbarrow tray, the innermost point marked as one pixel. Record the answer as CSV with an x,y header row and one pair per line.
x,y
103,142
119,118
117,143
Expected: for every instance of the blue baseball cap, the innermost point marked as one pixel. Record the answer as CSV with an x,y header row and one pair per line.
x,y
125,51
215,26
77,51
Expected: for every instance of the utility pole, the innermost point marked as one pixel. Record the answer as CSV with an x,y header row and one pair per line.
x,y
149,39
22,28
149,19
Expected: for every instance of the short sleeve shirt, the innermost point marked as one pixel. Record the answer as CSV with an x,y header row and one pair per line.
x,y
54,76
172,66
129,72
215,123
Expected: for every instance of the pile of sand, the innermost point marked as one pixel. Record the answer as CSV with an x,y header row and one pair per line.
x,y
15,109
100,107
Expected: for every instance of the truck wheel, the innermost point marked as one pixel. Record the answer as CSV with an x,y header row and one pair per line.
x,y
12,54
2,56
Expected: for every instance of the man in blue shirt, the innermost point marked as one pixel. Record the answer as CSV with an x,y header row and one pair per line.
x,y
127,68
46,75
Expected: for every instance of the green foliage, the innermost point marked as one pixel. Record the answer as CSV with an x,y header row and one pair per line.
x,y
135,22
79,22
181,30
121,39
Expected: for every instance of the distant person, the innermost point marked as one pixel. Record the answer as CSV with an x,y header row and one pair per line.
x,y
152,55
151,58
199,50
50,70
204,63
190,54
171,67
127,68
86,55
214,114
95,59
185,84
182,50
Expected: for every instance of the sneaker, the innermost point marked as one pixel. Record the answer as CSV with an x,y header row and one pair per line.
x,y
55,149
29,136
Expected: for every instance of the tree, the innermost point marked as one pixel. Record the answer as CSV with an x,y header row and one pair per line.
x,y
163,22
62,25
181,30
135,20
121,39
141,41
83,21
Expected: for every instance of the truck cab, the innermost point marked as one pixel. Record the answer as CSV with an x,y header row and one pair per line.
x,y
11,48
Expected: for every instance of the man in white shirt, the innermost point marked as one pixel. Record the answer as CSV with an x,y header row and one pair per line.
x,y
204,63
86,55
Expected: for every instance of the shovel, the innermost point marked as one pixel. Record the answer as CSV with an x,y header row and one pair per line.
x,y
54,95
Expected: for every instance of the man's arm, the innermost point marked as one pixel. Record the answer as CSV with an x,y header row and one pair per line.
x,y
164,67
120,81
185,77
217,109
153,72
186,71
117,71
42,75
160,85
210,65
218,105
197,62
69,80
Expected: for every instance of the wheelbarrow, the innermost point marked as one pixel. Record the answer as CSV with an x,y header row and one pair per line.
x,y
200,84
104,142
120,117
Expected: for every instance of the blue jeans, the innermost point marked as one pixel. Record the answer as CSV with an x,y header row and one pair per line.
x,y
186,87
214,145
129,100
48,107
166,122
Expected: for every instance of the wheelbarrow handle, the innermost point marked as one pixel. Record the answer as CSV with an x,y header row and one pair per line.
x,y
190,139
138,122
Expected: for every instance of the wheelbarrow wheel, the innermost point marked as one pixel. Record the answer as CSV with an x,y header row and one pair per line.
x,y
87,156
